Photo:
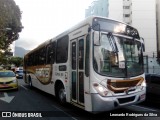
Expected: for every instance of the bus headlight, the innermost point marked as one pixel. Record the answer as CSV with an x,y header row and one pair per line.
x,y
143,83
100,89
142,86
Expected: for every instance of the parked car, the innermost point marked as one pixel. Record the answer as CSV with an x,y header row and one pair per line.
x,y
8,80
153,83
19,73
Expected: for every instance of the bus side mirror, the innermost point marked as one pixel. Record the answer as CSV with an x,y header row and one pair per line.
x,y
96,34
143,45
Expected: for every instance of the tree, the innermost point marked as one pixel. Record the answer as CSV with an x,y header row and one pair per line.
x,y
17,61
10,17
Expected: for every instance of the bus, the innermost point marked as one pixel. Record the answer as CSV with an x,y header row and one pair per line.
x,y
97,65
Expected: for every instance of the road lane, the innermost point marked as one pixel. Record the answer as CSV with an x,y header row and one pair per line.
x,y
34,100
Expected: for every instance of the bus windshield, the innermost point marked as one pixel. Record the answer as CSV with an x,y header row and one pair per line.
x,y
124,61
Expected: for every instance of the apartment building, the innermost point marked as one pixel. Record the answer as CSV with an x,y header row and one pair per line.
x,y
143,15
158,25
98,7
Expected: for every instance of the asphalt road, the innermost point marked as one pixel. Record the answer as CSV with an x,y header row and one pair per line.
x,y
34,104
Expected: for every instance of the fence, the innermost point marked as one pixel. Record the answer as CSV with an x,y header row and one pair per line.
x,y
151,65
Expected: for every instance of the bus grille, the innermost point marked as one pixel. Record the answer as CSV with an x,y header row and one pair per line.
x,y
120,86
125,100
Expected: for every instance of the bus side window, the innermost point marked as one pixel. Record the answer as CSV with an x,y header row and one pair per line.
x,y
62,50
48,53
87,56
81,53
42,56
51,53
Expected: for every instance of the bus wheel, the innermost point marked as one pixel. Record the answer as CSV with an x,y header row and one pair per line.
x,y
62,94
30,82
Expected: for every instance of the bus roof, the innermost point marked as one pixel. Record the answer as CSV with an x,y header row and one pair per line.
x,y
86,21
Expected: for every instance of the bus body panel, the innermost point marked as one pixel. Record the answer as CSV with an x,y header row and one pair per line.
x,y
83,89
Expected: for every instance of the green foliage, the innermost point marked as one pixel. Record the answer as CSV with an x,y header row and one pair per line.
x,y
10,17
17,61
8,61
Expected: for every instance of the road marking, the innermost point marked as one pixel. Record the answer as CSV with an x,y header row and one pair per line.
x,y
145,108
64,112
7,98
24,87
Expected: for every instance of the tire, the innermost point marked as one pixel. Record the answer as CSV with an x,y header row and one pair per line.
x,y
30,82
61,94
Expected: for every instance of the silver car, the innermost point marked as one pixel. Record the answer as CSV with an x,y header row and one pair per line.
x,y
19,73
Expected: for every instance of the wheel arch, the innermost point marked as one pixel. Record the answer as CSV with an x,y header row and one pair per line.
x,y
58,82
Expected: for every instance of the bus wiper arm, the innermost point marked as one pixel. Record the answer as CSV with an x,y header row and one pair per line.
x,y
112,42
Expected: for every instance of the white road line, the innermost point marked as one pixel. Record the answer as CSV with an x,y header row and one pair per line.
x,y
149,109
24,87
65,112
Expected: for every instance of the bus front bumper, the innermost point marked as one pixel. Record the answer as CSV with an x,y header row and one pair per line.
x,y
101,104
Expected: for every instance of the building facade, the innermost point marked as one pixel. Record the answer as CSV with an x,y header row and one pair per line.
x,y
141,14
115,8
98,7
138,13
158,25
127,11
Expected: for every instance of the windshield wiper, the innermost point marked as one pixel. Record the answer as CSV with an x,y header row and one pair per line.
x,y
112,42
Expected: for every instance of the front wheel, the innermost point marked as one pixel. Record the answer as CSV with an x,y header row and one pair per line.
x,y
62,94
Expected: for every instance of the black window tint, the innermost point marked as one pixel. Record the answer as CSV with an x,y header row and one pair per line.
x,y
81,53
30,61
74,56
42,56
51,53
36,58
62,50
87,56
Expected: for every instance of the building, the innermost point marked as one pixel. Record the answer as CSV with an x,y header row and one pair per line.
x,y
115,8
158,25
138,13
98,7
143,15
127,11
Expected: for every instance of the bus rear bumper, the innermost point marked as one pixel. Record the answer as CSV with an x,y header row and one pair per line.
x,y
101,104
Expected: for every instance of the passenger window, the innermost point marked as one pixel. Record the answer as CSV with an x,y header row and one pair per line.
x,y
51,53
81,53
74,56
62,50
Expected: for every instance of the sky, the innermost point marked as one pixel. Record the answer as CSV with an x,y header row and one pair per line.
x,y
45,19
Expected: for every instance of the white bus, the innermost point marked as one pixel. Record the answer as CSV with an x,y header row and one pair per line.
x,y
97,65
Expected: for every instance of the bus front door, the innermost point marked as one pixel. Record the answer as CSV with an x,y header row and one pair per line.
x,y
77,70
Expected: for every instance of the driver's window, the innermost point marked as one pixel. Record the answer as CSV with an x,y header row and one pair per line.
x,y
105,43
